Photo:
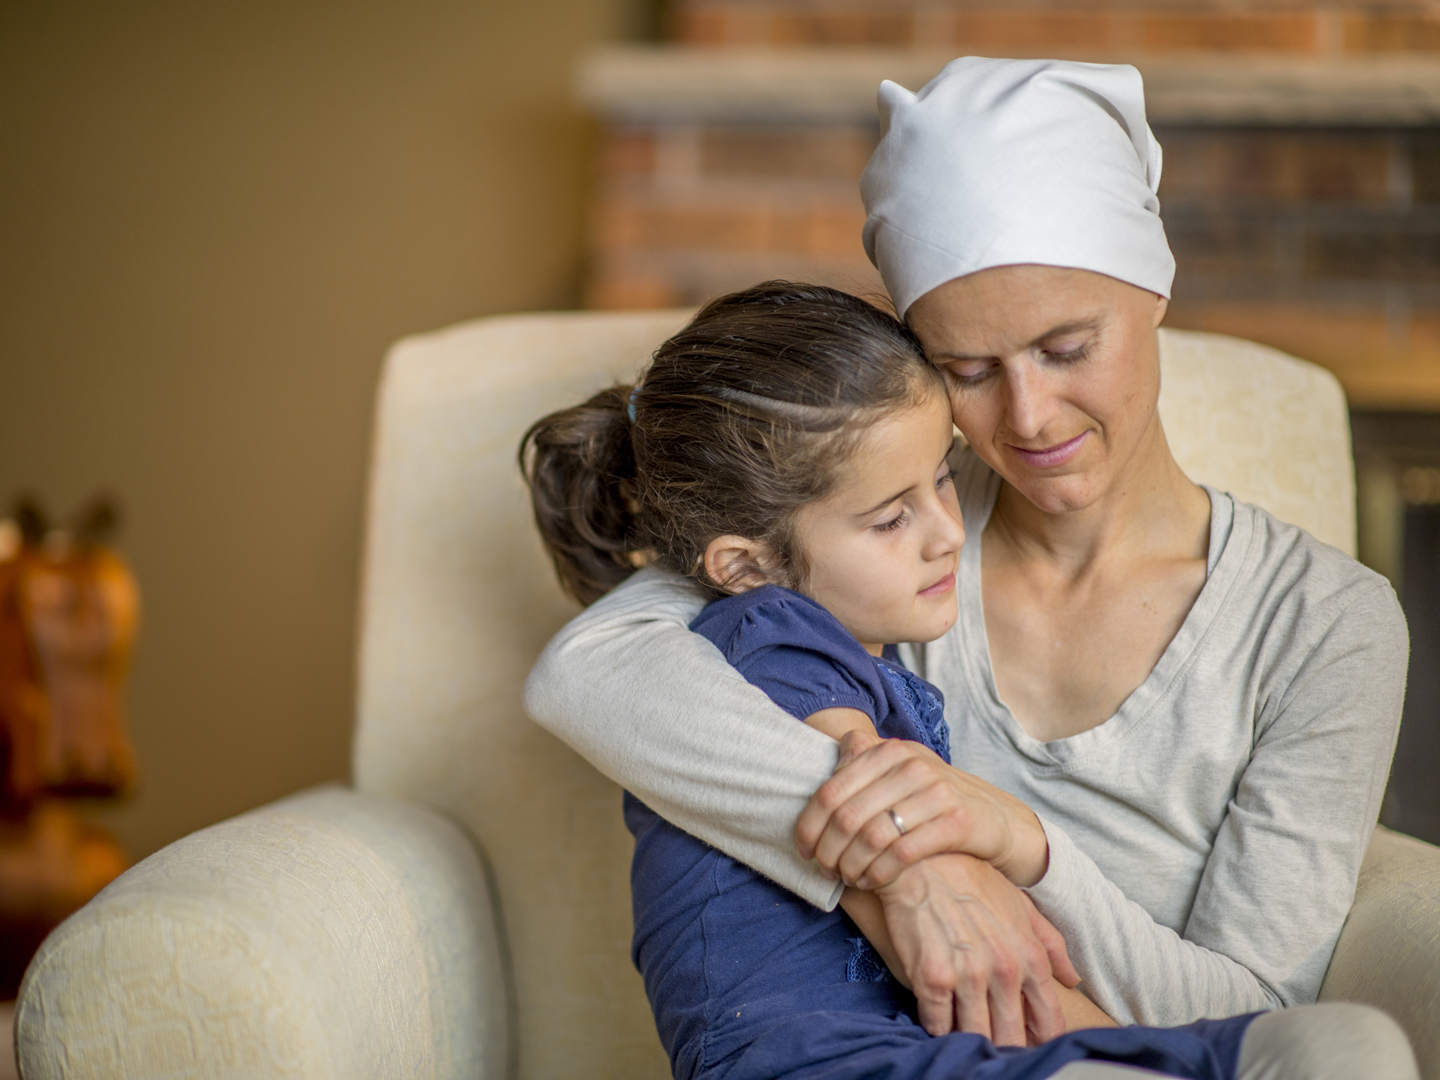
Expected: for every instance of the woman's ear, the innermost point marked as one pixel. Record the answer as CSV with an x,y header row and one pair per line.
x,y
738,565
1161,304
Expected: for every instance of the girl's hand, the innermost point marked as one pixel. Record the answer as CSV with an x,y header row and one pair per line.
x,y
1080,1012
848,829
975,952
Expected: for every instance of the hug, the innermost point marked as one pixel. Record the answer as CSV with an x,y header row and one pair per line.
x,y
1013,756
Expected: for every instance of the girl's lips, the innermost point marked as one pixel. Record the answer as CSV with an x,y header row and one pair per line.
x,y
940,587
1051,456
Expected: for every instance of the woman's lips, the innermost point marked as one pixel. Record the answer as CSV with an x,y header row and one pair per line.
x,y
941,587
1051,456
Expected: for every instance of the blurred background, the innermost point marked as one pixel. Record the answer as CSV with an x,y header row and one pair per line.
x,y
214,219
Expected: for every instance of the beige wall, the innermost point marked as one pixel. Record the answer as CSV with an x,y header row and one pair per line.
x,y
213,219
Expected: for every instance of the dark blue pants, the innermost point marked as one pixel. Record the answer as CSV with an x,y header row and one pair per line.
x,y
863,1046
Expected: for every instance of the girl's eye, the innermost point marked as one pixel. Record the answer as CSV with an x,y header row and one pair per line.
x,y
947,477
893,524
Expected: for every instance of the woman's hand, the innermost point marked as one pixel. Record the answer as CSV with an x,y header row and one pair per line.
x,y
848,829
975,952
1076,1010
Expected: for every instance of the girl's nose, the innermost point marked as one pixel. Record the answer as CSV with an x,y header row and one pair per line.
x,y
947,532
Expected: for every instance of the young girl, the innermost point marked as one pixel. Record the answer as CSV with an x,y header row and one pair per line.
x,y
788,451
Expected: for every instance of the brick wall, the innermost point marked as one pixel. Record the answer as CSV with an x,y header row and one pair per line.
x,y
1059,27
689,211
1322,242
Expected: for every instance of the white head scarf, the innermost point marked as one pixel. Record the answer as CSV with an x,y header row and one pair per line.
x,y
998,162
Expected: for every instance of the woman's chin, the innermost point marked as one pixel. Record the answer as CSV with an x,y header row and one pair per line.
x,y
1058,494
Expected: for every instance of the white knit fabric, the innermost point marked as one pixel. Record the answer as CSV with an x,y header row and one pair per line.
x,y
998,162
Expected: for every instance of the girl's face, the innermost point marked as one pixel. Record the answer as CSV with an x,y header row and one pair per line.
x,y
884,545
1053,374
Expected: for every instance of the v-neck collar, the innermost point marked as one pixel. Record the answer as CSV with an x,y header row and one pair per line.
x,y
1231,533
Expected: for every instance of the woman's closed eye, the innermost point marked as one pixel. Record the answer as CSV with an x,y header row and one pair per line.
x,y
963,377
1068,356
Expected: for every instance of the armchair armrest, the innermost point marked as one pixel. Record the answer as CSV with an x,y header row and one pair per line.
x,y
1388,954
330,934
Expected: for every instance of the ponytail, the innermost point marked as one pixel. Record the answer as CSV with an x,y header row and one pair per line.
x,y
580,466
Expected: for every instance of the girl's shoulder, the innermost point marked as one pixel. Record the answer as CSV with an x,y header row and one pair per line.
x,y
795,650
773,616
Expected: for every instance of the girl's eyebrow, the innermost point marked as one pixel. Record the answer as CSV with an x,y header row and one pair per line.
x,y
886,502
1054,331
883,503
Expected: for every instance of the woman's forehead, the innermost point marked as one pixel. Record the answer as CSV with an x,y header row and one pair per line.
x,y
1010,307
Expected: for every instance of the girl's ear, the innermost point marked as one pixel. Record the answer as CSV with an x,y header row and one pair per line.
x,y
738,565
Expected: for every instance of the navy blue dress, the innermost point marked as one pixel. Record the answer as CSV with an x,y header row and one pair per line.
x,y
749,982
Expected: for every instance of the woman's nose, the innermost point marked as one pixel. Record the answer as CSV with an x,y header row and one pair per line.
x,y
1028,402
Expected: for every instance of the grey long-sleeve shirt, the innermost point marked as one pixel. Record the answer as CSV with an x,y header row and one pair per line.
x,y
1204,841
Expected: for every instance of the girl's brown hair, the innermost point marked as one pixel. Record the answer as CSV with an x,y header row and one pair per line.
x,y
742,418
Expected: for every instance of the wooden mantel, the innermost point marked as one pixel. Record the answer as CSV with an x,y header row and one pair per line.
x,y
676,83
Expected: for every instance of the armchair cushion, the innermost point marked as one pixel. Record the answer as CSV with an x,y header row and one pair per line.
x,y
1388,954
331,934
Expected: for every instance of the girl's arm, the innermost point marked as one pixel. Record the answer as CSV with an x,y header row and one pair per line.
x,y
837,723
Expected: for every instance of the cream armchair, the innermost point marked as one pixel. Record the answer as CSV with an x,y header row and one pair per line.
x,y
463,912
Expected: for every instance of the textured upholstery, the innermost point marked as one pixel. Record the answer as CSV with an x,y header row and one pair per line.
x,y
331,935
1389,952
458,599
1268,428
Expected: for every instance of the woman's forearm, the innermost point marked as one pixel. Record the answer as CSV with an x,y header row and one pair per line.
x,y
658,710
1136,969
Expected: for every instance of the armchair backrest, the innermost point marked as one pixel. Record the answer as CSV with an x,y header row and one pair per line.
x,y
458,599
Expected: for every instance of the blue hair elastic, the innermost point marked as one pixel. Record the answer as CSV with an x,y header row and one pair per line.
x,y
630,408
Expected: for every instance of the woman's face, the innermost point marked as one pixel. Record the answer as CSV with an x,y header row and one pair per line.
x,y
1053,375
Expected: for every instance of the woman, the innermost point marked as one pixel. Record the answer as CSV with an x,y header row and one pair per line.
x,y
1191,704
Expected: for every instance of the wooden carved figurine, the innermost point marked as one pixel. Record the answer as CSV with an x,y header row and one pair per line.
x,y
69,609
